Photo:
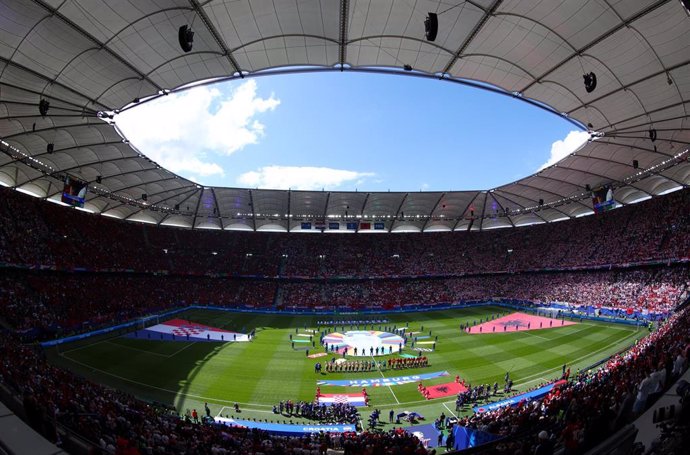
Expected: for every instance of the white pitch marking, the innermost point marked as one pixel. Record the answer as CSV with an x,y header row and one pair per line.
x,y
135,349
454,414
389,387
174,392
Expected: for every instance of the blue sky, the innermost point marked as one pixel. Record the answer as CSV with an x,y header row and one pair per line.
x,y
347,131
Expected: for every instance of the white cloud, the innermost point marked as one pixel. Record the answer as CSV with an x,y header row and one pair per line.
x,y
299,177
183,132
562,148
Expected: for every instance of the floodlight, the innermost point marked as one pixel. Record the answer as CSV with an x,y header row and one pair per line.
x,y
590,82
431,26
43,107
186,38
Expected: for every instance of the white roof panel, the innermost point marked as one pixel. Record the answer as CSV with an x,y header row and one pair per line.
x,y
89,58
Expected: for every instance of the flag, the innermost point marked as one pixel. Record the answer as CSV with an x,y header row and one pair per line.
x,y
182,330
354,399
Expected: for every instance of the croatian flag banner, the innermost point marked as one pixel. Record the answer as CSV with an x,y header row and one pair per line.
x,y
183,330
354,399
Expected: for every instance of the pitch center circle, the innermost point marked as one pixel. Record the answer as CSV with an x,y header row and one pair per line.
x,y
363,343
362,340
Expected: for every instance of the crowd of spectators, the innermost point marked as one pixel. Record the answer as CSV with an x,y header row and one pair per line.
x,y
50,303
119,423
48,235
143,269
643,289
579,413
596,403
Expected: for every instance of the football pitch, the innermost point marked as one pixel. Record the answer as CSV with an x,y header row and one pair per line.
x,y
261,373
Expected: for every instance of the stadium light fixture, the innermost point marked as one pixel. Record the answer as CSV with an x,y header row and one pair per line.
x,y
185,36
43,107
590,81
431,26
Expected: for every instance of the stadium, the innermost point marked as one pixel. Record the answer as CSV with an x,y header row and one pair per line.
x,y
144,313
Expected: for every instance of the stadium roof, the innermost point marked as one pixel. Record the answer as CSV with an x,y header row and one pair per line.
x,y
91,59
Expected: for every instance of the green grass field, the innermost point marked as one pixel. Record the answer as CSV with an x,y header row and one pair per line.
x,y
260,373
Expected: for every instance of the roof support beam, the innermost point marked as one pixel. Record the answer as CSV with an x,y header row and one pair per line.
x,y
152,194
196,209
215,34
654,111
659,174
540,176
251,204
397,212
215,202
461,215
342,44
535,212
67,149
190,191
477,27
51,128
607,160
48,82
93,39
481,219
92,182
619,182
428,218
615,133
503,210
560,196
289,204
520,183
596,41
364,205
173,177
127,173
361,213
187,197
77,111
631,84
647,125
637,147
